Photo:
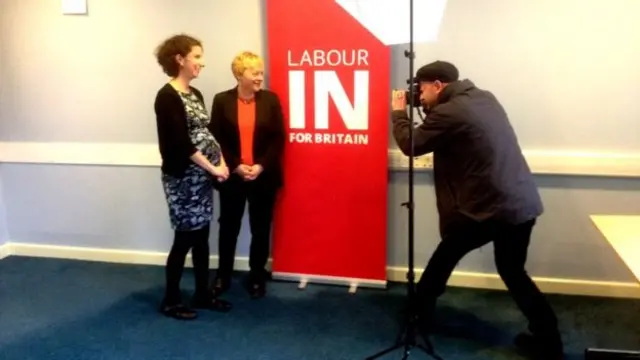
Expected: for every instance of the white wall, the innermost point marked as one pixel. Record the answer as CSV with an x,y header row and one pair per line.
x,y
88,79
4,234
566,71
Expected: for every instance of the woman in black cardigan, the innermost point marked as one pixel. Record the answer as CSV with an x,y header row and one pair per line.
x,y
191,162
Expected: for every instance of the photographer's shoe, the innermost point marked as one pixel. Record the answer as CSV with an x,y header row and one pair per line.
x,y
549,348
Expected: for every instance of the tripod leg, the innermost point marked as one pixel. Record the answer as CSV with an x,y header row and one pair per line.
x,y
407,340
385,352
414,333
429,351
407,349
428,346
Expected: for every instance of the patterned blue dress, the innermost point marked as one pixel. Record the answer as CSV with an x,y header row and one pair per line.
x,y
190,197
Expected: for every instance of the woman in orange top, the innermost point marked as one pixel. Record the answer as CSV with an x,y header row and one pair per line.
x,y
248,123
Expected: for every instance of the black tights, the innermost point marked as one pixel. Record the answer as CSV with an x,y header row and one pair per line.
x,y
198,242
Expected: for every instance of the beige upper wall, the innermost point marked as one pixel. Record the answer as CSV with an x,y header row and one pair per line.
x,y
94,78
566,71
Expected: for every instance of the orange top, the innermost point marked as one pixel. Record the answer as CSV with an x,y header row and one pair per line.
x,y
246,125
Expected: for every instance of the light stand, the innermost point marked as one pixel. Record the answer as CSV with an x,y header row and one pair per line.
x,y
409,333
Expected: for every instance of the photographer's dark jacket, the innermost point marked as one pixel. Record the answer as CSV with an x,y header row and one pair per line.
x,y
479,170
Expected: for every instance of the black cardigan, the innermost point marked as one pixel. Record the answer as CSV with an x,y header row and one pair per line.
x,y
174,141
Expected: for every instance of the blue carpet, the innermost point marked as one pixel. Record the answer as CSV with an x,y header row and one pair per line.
x,y
61,309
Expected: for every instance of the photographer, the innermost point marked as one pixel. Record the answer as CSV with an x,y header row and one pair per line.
x,y
485,193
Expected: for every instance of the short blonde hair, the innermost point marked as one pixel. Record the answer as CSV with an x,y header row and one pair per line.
x,y
243,61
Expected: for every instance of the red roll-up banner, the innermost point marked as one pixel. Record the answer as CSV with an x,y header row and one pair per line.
x,y
333,78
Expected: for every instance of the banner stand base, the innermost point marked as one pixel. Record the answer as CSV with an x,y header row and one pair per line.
x,y
352,283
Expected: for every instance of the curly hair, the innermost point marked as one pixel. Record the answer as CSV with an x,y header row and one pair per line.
x,y
176,45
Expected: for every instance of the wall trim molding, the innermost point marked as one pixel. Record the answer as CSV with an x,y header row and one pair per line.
x,y
580,287
550,162
5,250
395,274
75,153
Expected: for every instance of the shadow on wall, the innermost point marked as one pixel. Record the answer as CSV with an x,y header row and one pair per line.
x,y
265,40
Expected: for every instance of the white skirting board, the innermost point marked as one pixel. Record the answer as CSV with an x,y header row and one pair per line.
x,y
4,251
547,162
394,274
547,285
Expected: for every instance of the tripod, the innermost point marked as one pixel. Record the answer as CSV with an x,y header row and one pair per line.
x,y
408,336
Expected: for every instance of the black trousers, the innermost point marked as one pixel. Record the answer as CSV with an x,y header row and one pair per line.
x,y
510,244
234,195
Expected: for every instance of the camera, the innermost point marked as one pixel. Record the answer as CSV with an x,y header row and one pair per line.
x,y
415,101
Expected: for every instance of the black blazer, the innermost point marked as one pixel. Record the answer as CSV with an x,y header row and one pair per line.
x,y
174,141
269,133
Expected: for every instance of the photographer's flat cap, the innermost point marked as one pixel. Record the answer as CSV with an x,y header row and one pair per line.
x,y
438,71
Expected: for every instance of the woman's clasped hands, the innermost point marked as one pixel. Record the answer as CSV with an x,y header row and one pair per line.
x,y
221,172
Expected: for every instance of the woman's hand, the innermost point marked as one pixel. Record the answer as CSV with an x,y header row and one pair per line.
x,y
243,170
220,172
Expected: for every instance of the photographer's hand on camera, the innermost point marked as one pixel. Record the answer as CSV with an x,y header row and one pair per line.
x,y
398,100
429,135
410,100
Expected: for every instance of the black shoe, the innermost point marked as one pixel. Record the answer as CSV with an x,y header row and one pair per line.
x,y
210,302
221,285
547,348
257,284
257,289
178,311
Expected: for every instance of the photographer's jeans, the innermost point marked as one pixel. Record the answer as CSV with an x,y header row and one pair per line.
x,y
510,243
